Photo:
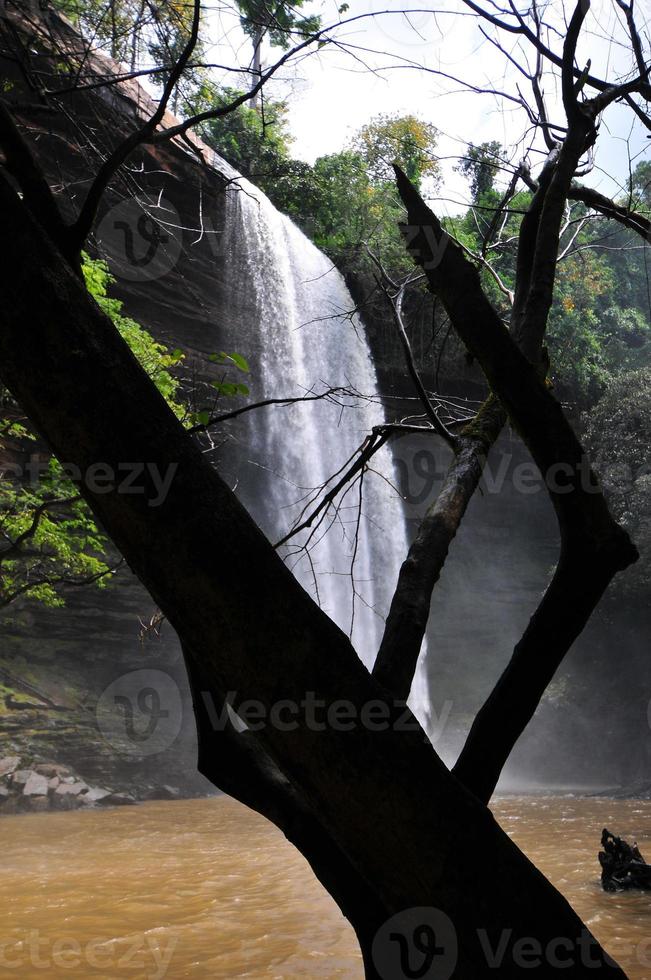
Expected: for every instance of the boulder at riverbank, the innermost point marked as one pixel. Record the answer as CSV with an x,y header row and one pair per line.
x,y
33,787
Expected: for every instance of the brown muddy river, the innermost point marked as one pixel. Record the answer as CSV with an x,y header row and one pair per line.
x,y
207,889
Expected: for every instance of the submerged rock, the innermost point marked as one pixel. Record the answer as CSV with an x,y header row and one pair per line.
x,y
95,794
165,792
622,865
117,799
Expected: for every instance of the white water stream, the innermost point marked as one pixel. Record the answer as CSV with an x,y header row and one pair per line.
x,y
309,339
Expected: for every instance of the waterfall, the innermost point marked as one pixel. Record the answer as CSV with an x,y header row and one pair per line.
x,y
302,335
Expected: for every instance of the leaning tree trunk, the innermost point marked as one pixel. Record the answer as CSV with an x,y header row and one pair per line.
x,y
378,806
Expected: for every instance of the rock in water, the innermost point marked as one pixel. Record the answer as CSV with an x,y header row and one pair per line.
x,y
95,794
622,864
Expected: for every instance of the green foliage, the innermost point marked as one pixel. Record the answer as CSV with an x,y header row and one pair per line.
x,y
481,166
60,542
154,357
254,141
641,182
48,537
593,336
221,357
405,140
283,22
576,339
340,202
599,322
230,388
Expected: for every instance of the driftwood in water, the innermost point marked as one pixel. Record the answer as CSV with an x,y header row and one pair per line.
x,y
622,865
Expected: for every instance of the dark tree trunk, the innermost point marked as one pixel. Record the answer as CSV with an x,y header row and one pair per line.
x,y
593,546
379,808
407,620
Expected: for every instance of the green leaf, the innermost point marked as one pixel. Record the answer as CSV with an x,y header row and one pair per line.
x,y
221,357
240,362
226,388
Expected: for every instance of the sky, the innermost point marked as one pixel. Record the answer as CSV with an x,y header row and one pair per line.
x,y
388,62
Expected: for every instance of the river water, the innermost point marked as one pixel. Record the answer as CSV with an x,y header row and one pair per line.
x,y
208,889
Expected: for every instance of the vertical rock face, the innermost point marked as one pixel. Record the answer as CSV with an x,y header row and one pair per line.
x,y
62,671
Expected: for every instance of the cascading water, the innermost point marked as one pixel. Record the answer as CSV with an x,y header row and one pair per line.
x,y
301,324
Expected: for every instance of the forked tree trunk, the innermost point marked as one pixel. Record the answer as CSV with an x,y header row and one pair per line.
x,y
384,824
593,546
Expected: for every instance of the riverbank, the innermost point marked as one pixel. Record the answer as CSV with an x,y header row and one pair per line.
x,y
31,786
28,784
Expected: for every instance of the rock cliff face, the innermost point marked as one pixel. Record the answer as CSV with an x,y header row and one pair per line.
x,y
62,673
83,689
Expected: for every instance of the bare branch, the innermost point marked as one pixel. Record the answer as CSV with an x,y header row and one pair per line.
x,y
568,89
406,622
395,302
330,394
82,226
630,219
375,441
